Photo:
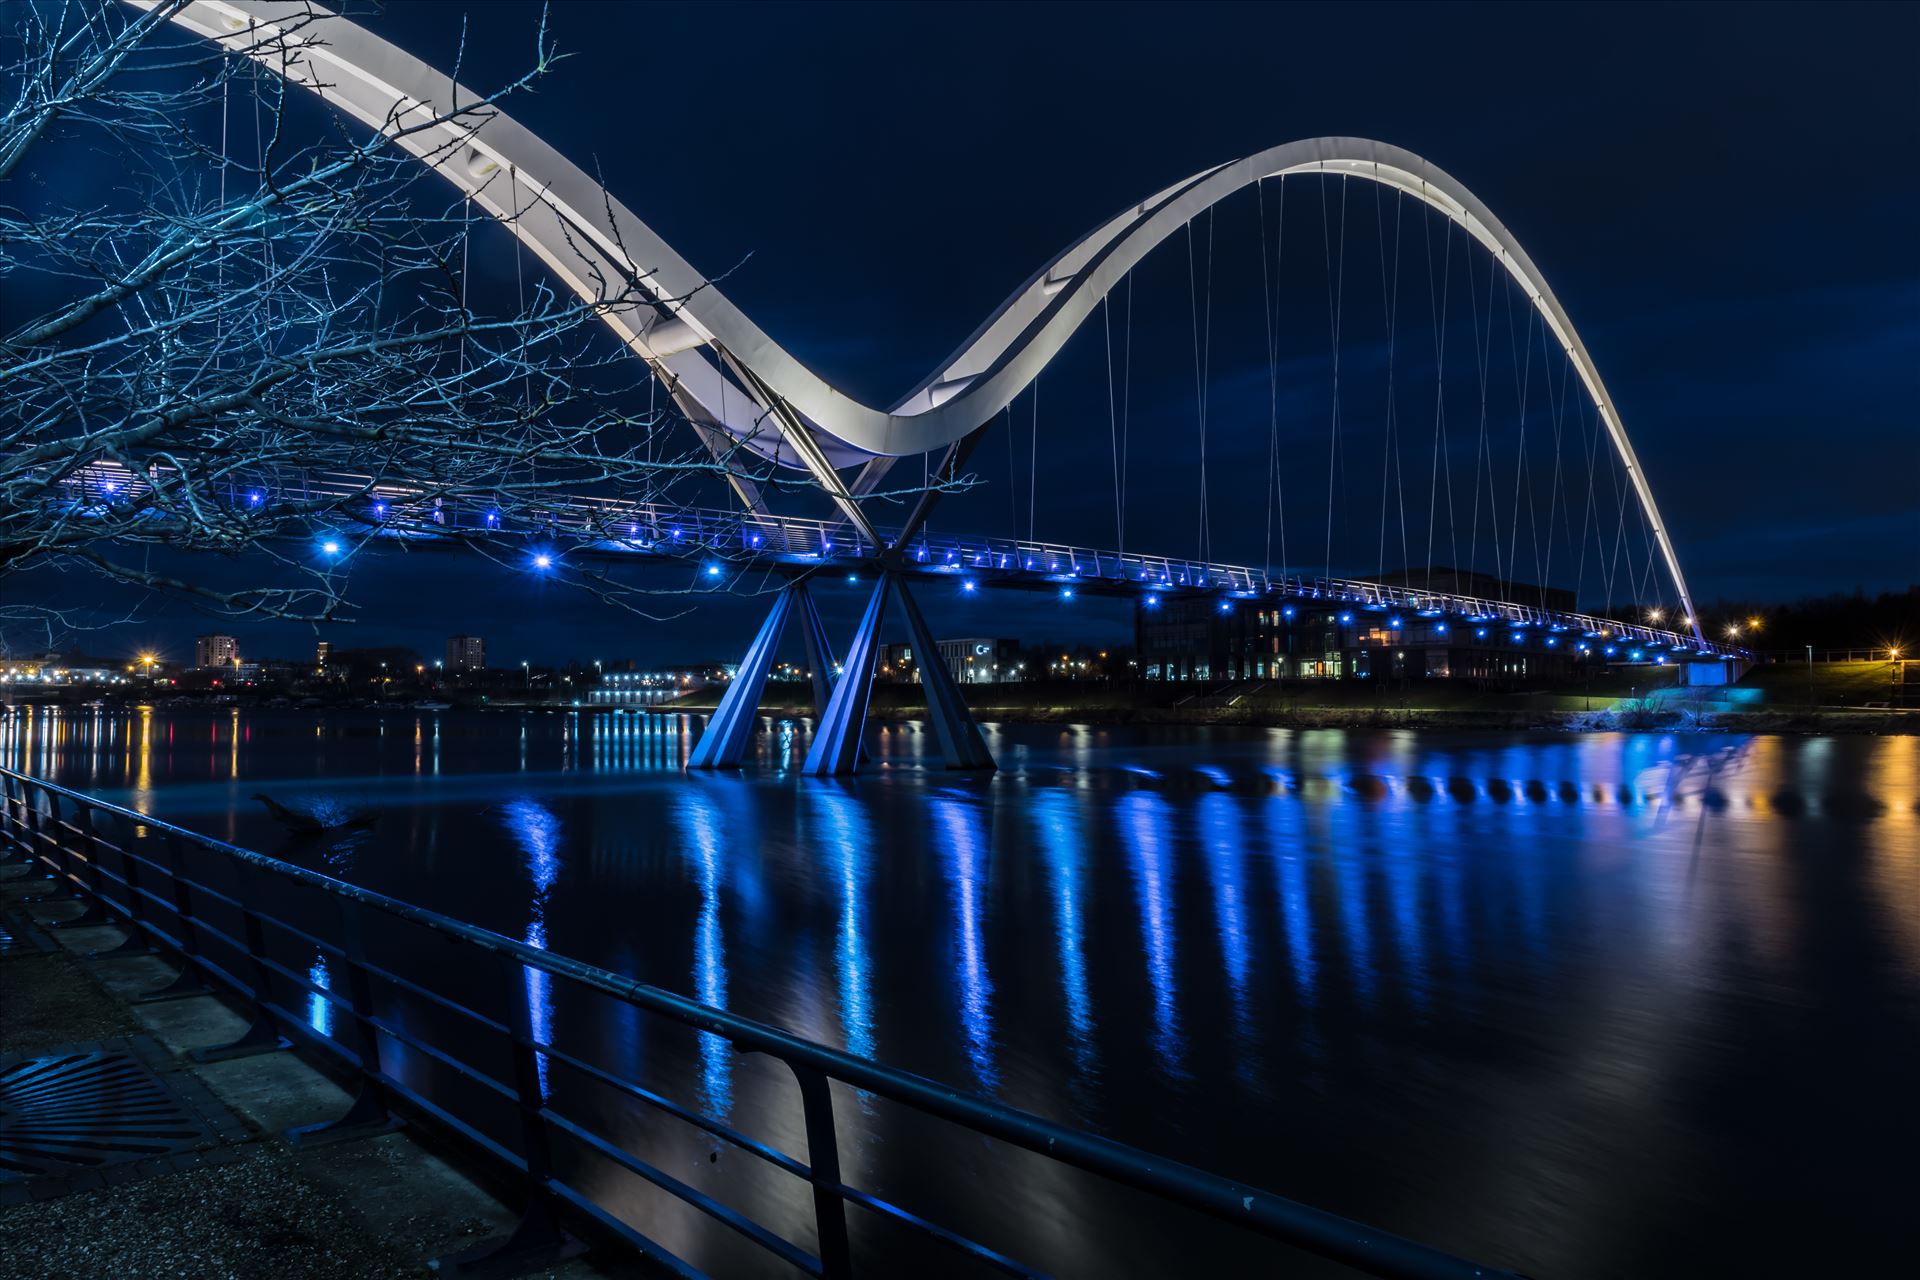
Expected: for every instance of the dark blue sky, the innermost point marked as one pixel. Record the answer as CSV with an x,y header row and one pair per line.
x,y
1722,196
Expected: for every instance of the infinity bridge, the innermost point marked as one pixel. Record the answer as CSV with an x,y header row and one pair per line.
x,y
749,398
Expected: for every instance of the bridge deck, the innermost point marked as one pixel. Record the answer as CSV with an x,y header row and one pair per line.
x,y
728,542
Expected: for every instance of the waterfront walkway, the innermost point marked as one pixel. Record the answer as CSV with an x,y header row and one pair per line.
x,y
229,1196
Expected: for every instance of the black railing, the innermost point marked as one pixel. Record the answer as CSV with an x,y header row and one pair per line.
x,y
140,881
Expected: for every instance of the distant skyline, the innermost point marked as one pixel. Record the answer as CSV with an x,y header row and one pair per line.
x,y
1710,190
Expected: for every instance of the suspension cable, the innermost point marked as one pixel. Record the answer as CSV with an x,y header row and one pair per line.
x,y
1336,304
1126,404
1269,297
1439,309
1033,466
1113,418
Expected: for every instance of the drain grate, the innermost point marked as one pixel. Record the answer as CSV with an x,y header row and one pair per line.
x,y
66,1116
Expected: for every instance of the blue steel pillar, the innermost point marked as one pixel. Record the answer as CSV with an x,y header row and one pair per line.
x,y
819,652
836,740
725,739
953,724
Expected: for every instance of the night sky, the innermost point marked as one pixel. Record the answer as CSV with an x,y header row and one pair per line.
x,y
1723,198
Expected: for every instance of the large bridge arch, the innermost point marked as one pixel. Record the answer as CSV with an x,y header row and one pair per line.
x,y
726,372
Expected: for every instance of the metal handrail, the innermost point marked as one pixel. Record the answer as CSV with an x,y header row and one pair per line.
x,y
72,849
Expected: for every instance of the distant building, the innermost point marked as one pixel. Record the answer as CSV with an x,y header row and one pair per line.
x,y
466,653
215,651
320,652
59,668
974,660
1220,638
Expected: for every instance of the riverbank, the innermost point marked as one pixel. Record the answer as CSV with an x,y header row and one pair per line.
x,y
1342,708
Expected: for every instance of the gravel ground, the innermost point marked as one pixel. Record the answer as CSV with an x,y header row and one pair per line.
x,y
48,1000
252,1217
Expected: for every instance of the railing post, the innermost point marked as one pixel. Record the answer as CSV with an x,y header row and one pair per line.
x,y
823,1171
58,859
262,1034
96,900
537,1240
188,981
11,822
368,1114
137,941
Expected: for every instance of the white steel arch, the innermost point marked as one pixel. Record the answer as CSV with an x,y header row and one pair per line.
x,y
752,388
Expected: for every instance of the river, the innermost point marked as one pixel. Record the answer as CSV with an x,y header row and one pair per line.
x,y
1585,1006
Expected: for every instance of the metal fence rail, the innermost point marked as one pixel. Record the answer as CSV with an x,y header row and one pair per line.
x,y
140,881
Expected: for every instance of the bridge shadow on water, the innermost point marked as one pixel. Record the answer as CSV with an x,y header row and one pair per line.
x,y
1582,1006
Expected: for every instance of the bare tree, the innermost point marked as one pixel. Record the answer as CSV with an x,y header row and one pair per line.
x,y
262,335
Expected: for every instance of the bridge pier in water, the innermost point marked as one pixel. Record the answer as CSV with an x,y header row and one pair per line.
x,y
725,739
842,704
836,743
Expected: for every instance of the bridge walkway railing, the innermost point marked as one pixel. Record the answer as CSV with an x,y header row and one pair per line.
x,y
608,524
231,918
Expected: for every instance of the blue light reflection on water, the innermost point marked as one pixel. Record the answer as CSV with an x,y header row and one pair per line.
x,y
1146,830
1062,834
319,1008
960,838
846,842
536,830
706,850
1223,842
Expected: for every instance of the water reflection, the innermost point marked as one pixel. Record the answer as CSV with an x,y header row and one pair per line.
x,y
319,1008
959,840
537,831
847,842
700,826
1286,841
1063,844
1223,840
1145,827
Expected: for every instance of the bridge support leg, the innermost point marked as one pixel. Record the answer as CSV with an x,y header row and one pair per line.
x,y
819,651
836,742
953,723
725,738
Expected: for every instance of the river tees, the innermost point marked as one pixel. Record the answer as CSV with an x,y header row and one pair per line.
x,y
1585,1006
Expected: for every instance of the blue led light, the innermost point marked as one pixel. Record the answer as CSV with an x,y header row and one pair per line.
x,y
1393,622
1288,611
1226,606
541,560
1150,601
493,519
1066,593
967,586
1346,617
253,499
1442,628
713,571
330,547
1480,632
853,577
